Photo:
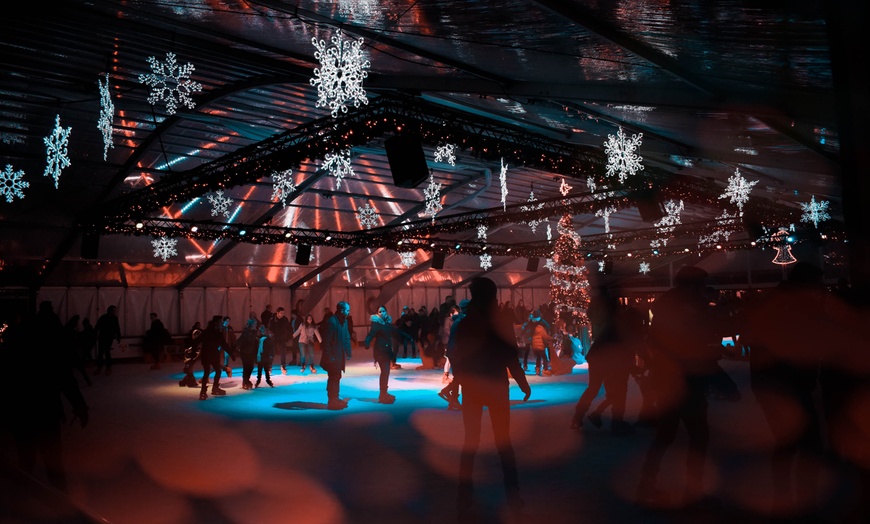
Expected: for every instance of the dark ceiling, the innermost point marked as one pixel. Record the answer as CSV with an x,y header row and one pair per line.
x,y
539,86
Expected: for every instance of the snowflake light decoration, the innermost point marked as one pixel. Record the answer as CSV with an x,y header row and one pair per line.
x,y
644,268
164,247
601,266
409,258
282,185
56,151
12,183
564,188
367,216
220,204
481,232
107,115
780,243
549,232
815,212
738,189
668,222
533,207
432,195
170,83
485,261
622,160
724,224
605,213
502,178
338,165
446,153
343,66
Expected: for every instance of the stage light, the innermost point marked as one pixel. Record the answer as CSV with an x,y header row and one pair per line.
x,y
139,225
194,229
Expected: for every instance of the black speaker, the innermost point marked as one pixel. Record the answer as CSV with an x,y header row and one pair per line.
x,y
407,160
608,267
649,206
438,260
90,246
303,255
532,265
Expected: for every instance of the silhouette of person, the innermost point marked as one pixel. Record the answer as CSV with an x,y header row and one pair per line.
x,y
684,353
265,356
211,341
247,346
108,329
384,334
155,338
336,350
485,351
37,413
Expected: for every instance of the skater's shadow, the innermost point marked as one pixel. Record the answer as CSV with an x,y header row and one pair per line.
x,y
297,406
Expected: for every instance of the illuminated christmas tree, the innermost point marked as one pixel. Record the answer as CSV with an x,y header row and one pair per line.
x,y
569,284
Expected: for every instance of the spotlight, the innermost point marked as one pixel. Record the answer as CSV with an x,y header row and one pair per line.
x,y
243,233
139,225
328,238
457,246
655,251
287,235
194,229
791,239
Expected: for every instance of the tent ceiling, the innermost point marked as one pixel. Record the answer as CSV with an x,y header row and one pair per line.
x,y
713,87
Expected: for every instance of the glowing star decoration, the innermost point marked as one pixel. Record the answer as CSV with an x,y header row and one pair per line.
x,y
549,232
668,222
532,207
815,212
432,195
485,261
481,232
220,205
12,183
339,166
601,266
738,189
446,153
564,188
622,161
644,268
368,217
170,83
780,243
107,115
502,178
605,213
56,152
164,247
409,258
343,66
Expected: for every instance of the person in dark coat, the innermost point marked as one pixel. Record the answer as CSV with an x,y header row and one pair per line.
x,y
484,354
282,332
265,356
247,345
684,349
192,352
336,351
156,338
108,329
383,336
211,341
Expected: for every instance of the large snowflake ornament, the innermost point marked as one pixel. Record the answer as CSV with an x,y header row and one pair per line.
x,y
725,225
170,83
446,153
164,247
339,166
282,185
644,268
502,179
107,116
668,222
485,261
815,212
56,151
602,266
622,160
12,183
532,206
220,205
368,217
409,258
432,195
481,232
343,66
738,190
